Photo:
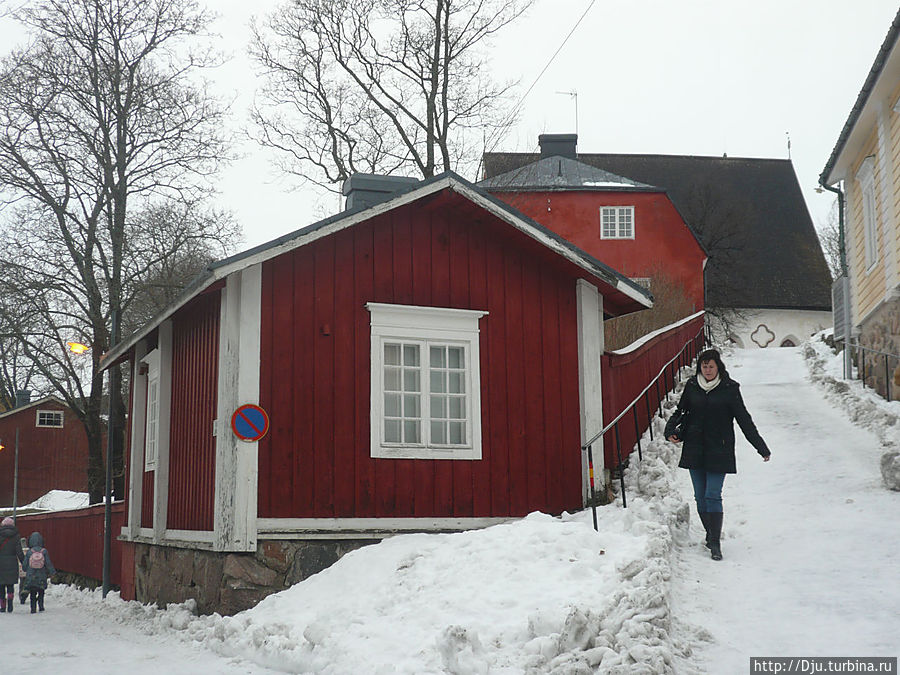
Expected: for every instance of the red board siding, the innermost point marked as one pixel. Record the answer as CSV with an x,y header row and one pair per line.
x,y
74,540
192,451
626,375
49,458
315,360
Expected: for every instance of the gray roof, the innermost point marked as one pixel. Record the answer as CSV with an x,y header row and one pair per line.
x,y
562,173
755,205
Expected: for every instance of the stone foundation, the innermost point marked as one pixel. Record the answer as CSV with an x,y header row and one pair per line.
x,y
881,332
228,583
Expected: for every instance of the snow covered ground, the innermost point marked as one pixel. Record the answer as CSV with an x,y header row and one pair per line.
x,y
811,557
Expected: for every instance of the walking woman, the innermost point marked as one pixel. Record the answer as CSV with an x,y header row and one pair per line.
x,y
11,555
704,420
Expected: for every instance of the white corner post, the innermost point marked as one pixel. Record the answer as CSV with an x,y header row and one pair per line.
x,y
237,460
161,475
138,416
590,353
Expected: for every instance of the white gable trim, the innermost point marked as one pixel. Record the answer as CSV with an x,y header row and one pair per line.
x,y
302,238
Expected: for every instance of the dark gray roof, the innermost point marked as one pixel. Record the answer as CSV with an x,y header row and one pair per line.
x,y
748,213
889,41
562,173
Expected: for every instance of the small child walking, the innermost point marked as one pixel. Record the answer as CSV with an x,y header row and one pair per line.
x,y
10,557
38,569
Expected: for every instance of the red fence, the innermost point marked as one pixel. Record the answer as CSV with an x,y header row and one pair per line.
x,y
628,371
74,539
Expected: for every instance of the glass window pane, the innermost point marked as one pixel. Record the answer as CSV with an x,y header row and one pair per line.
x,y
455,357
391,379
457,433
411,406
392,405
438,433
438,357
439,407
411,380
456,383
437,382
411,431
392,431
457,406
410,355
391,355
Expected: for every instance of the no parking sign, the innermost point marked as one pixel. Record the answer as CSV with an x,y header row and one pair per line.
x,y
250,422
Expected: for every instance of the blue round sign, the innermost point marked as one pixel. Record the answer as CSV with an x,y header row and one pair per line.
x,y
250,422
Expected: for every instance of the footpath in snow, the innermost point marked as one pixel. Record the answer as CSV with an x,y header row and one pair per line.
x,y
810,538
811,558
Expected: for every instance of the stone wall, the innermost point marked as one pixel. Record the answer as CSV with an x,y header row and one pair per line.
x,y
881,331
228,583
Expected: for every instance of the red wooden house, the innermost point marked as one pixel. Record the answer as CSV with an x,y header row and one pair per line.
x,y
631,226
429,362
53,451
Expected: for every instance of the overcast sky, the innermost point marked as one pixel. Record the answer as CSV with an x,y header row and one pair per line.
x,y
692,77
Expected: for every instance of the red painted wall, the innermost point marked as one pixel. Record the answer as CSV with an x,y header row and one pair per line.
x,y
49,458
661,237
192,446
315,368
626,375
74,540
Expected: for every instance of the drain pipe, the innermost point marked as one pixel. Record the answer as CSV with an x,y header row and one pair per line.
x,y
843,260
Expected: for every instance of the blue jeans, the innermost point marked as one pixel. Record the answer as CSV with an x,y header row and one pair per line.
x,y
707,490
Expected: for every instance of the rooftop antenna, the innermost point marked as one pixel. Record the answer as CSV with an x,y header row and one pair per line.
x,y
573,95
788,134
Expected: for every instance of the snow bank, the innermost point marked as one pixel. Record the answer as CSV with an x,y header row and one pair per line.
x,y
863,406
538,595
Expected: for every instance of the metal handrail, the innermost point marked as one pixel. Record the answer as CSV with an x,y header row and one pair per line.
x,y
614,425
862,368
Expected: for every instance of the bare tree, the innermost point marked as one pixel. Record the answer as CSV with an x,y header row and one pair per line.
x,y
715,221
671,303
830,238
102,116
379,85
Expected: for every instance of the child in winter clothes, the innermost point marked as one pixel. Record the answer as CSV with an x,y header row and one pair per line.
x,y
10,556
36,574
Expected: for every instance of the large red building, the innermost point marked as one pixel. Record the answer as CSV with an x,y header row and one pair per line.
x,y
53,451
429,362
633,227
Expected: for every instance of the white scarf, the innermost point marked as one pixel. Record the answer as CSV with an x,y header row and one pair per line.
x,y
710,385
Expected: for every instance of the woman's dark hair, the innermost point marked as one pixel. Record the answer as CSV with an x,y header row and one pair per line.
x,y
712,355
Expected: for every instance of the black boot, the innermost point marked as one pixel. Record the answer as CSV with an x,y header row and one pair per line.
x,y
705,520
715,535
33,604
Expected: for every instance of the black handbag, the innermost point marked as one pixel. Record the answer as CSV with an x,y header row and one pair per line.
x,y
677,424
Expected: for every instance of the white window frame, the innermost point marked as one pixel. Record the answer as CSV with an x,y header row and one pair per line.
x,y
866,178
151,427
56,414
425,327
624,227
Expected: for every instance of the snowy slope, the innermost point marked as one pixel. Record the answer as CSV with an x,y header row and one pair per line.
x,y
810,549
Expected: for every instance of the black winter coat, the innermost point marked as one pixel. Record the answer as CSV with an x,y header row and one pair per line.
x,y
10,554
709,431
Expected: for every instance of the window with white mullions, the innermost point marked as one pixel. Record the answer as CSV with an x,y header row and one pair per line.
x,y
50,418
447,377
425,376
402,393
617,222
